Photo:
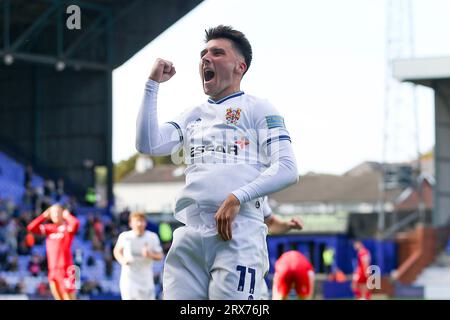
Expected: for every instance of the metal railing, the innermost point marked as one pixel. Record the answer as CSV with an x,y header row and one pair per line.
x,y
405,222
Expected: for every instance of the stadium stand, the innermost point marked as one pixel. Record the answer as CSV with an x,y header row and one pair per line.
x,y
23,267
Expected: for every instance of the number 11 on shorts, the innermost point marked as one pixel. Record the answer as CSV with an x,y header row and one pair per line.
x,y
243,271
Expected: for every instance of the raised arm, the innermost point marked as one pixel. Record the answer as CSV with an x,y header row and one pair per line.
x,y
151,138
72,221
36,226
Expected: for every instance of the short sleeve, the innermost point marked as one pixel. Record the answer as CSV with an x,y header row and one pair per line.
x,y
120,240
155,243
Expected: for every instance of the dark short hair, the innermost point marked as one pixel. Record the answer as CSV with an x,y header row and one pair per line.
x,y
238,39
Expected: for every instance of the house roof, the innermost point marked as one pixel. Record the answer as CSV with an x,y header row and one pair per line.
x,y
160,173
355,186
333,188
364,167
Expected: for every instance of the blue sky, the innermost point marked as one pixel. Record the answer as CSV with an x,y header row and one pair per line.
x,y
321,63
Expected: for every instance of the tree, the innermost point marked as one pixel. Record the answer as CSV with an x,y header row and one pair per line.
x,y
124,167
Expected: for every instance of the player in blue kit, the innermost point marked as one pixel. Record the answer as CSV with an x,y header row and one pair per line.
x,y
237,150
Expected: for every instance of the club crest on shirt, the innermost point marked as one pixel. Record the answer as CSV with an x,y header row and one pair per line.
x,y
232,116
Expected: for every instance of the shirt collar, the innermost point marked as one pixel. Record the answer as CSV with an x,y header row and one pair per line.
x,y
233,95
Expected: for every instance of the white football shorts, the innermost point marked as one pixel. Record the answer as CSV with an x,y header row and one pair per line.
x,y
201,266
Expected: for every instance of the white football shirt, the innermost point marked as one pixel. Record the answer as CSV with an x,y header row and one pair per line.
x,y
237,145
225,146
140,271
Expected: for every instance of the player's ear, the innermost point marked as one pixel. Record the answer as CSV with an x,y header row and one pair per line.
x,y
241,66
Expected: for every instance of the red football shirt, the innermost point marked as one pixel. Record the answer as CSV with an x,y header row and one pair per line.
x,y
59,240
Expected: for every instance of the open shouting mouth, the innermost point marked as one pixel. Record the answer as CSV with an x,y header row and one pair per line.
x,y
208,75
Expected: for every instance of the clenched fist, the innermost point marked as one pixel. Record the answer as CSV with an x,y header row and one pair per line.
x,y
162,70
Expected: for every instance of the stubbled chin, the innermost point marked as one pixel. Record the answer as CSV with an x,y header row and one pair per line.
x,y
208,87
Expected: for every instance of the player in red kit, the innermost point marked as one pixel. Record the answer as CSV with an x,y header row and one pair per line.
x,y
293,269
360,275
60,233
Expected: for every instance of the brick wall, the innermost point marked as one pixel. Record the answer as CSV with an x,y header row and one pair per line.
x,y
417,249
